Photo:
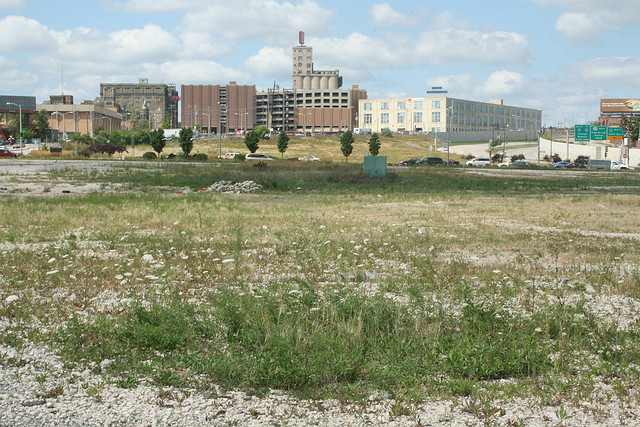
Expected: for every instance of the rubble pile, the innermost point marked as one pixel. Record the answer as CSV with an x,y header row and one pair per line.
x,y
235,187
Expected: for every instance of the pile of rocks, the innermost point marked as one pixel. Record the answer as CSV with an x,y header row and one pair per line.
x,y
235,187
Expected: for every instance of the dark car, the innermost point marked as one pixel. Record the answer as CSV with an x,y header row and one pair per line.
x,y
6,153
409,162
452,162
575,165
563,164
523,164
430,161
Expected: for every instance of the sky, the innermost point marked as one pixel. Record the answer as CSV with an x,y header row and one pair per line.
x,y
560,56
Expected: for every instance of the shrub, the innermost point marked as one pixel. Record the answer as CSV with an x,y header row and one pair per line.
x,y
260,164
497,158
517,157
149,155
386,132
200,157
583,160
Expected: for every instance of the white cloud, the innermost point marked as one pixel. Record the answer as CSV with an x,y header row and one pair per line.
x,y
12,4
383,14
157,6
272,62
204,45
260,20
609,72
23,35
578,28
585,20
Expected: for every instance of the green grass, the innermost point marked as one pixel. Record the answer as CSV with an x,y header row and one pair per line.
x,y
450,284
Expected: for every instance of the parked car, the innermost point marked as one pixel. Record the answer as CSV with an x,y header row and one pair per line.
x,y
229,156
409,162
523,164
575,165
563,164
309,158
257,157
430,161
4,152
479,161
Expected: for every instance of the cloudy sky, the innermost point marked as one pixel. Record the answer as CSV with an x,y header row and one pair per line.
x,y
560,56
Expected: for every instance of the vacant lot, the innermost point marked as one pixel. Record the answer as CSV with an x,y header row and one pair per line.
x,y
431,296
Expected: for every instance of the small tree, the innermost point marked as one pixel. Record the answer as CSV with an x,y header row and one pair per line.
x,y
386,132
283,142
262,132
374,144
156,140
186,140
346,144
251,141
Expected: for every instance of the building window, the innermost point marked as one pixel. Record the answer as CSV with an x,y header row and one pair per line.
x,y
402,105
435,104
384,105
435,116
384,118
402,117
367,106
368,119
417,105
417,117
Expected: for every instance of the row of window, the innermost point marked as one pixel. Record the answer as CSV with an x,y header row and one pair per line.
x,y
466,106
463,119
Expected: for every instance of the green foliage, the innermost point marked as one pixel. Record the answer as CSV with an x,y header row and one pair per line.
x,y
346,144
166,122
283,142
156,140
186,140
82,139
149,155
386,132
631,125
103,148
141,137
262,132
138,120
40,124
251,140
374,144
200,157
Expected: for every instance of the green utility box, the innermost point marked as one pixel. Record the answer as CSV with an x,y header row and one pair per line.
x,y
375,166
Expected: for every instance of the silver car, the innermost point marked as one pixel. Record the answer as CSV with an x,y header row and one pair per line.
x,y
479,161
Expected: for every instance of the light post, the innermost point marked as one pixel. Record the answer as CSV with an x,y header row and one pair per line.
x,y
448,122
64,129
20,113
219,129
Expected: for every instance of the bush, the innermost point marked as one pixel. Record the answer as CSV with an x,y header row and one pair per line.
x,y
582,160
517,157
149,155
386,132
497,158
200,157
556,158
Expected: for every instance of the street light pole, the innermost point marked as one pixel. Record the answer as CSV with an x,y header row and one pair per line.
x,y
219,129
20,113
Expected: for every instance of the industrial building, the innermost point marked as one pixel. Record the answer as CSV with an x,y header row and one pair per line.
x,y
439,113
214,108
81,119
155,101
14,104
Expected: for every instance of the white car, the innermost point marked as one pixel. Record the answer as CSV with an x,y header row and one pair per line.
x,y
310,158
257,157
479,161
229,156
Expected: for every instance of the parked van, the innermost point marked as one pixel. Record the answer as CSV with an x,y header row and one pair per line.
x,y
259,157
605,164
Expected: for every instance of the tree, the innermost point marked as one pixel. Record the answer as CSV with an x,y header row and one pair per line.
x,y
251,140
283,142
166,122
346,144
374,144
262,131
138,120
142,137
40,124
156,140
186,140
631,126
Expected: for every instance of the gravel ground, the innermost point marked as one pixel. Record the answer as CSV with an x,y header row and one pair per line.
x,y
36,390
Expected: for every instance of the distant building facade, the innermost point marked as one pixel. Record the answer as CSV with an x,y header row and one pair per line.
x,y
83,119
13,104
316,103
155,101
442,114
215,108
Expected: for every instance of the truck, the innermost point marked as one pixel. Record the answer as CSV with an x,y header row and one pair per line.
x,y
606,164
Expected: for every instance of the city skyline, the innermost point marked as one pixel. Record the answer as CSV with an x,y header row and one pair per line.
x,y
561,56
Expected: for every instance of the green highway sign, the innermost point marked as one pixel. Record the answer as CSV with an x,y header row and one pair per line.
x,y
582,132
598,133
615,133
